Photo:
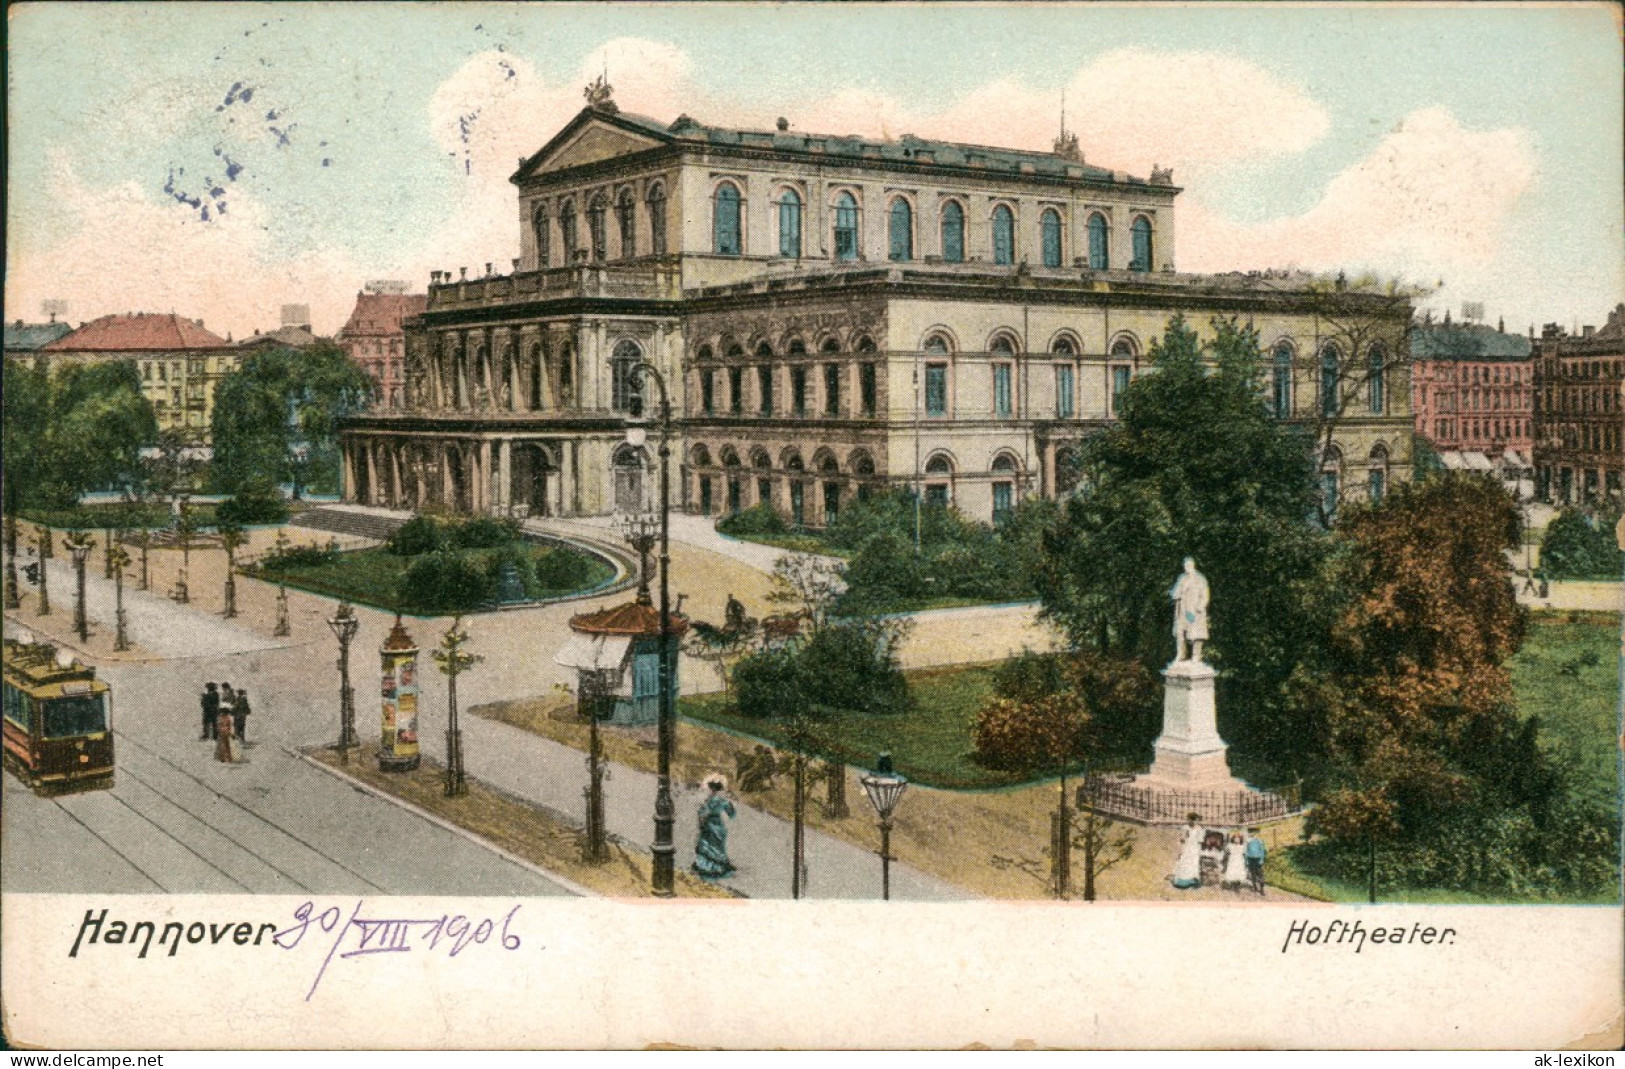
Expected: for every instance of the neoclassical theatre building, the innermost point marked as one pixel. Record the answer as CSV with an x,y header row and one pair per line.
x,y
833,315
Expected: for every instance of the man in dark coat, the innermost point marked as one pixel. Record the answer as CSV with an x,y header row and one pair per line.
x,y
240,712
211,709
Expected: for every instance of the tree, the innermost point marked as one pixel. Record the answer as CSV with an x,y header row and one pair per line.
x,y
809,583
1196,466
278,414
1100,840
453,662
1580,544
81,428
232,538
1363,333
723,646
1428,752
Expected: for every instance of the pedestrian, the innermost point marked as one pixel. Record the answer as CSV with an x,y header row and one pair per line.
x,y
211,709
225,749
1188,869
240,711
1235,863
711,849
228,697
1255,853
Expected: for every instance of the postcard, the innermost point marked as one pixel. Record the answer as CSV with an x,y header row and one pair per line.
x,y
813,525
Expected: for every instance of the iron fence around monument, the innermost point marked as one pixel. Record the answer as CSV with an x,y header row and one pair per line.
x,y
1122,797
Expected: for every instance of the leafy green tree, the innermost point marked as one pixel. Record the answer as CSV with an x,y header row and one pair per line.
x,y
1197,467
1580,544
256,501
279,414
81,428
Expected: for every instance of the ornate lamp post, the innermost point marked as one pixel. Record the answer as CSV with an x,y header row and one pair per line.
x,y
121,561
885,789
663,850
79,544
345,625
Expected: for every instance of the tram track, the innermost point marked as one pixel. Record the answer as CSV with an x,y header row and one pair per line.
x,y
128,740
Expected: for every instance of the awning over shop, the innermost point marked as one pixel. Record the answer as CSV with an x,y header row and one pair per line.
x,y
593,652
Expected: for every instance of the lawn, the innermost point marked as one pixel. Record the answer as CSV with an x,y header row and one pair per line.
x,y
930,742
373,577
1567,675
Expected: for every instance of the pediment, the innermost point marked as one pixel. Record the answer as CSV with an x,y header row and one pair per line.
x,y
590,139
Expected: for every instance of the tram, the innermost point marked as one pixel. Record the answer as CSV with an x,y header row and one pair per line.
x,y
57,719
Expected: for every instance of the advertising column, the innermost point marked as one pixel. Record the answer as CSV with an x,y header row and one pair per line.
x,y
398,748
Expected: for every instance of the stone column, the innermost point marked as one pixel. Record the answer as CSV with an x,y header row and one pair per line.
x,y
567,478
372,474
511,369
443,462
1048,489
482,480
504,487
347,472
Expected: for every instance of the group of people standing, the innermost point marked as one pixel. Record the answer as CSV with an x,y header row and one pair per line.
x,y
1207,855
225,721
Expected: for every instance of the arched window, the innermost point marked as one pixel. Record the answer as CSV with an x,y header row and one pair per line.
x,y
657,219
1064,346
1141,231
725,234
846,227
939,466
1003,345
596,212
790,224
626,218
543,228
862,464
1331,478
1049,225
1377,474
831,345
1004,235
625,393
1281,382
1377,380
567,229
901,231
953,232
936,343
701,456
1328,381
1099,245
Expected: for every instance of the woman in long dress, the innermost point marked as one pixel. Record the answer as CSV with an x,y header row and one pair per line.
x,y
225,738
1235,863
711,850
1188,869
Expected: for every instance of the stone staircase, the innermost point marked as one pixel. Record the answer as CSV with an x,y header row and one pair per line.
x,y
343,521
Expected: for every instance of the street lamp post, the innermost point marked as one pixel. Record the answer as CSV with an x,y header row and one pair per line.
x,y
885,789
345,624
663,877
79,544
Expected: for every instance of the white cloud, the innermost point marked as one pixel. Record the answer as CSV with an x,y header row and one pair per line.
x,y
129,253
1432,198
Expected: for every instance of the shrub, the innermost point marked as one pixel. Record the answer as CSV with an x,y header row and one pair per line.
x,y
418,535
1029,675
256,502
561,568
853,667
484,532
769,683
756,520
310,555
1580,545
444,582
1030,736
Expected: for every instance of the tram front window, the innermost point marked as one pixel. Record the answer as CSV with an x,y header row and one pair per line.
x,y
82,715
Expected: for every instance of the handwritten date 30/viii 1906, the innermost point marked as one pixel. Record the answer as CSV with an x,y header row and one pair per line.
x,y
450,933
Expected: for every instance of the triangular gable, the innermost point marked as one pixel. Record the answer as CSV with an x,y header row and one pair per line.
x,y
589,137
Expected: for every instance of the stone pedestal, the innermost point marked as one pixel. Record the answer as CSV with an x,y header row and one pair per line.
x,y
1190,755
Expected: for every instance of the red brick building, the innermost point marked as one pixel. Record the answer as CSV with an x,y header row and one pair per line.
x,y
1580,412
374,339
1472,389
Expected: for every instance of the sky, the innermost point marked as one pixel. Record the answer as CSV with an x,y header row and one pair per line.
x,y
219,160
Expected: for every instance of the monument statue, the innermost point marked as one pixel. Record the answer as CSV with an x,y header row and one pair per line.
x,y
1190,596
